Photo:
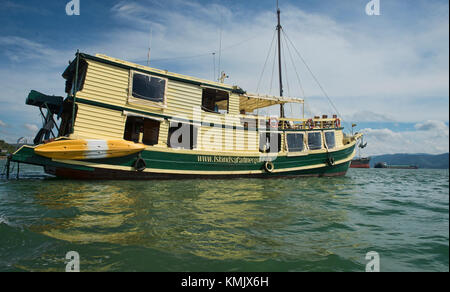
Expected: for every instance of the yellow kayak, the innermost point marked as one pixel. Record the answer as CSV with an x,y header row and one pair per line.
x,y
88,149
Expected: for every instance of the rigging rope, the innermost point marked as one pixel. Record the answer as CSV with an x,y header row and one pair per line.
x,y
295,68
265,63
285,73
200,55
302,91
314,77
273,69
287,76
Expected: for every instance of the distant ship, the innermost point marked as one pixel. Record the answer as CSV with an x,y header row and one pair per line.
x,y
362,162
385,165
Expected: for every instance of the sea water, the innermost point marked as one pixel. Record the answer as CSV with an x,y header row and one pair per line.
x,y
303,224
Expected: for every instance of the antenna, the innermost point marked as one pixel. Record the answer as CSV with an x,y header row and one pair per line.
x,y
220,44
214,65
149,46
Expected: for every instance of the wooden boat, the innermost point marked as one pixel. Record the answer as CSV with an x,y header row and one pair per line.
x,y
151,124
385,165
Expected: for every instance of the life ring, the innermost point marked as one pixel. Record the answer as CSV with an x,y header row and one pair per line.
x,y
330,160
273,122
139,164
337,123
310,124
268,166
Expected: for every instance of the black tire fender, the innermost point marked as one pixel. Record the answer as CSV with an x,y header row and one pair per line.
x,y
140,165
330,160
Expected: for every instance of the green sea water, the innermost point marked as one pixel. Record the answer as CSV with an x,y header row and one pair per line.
x,y
304,224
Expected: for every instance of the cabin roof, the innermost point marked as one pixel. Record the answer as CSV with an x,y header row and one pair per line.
x,y
248,101
162,73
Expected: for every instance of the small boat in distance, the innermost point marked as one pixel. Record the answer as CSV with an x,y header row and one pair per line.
x,y
385,165
363,162
122,120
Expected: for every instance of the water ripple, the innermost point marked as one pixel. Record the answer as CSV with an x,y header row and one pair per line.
x,y
308,224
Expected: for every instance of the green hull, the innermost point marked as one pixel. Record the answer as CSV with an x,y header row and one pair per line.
x,y
169,165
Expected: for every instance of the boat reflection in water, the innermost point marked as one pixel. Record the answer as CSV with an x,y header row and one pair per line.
x,y
215,220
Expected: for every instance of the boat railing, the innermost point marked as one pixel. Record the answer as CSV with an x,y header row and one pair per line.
x,y
298,124
314,123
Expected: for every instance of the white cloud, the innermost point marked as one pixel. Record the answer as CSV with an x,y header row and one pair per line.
x,y
18,49
381,73
2,124
370,116
391,71
429,137
431,125
31,127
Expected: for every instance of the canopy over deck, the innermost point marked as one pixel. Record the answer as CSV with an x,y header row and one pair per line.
x,y
250,102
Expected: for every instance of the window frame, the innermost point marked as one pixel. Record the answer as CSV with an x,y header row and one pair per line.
x,y
145,102
136,119
325,139
228,93
321,140
305,146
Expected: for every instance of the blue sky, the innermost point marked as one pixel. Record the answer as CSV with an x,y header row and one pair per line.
x,y
388,73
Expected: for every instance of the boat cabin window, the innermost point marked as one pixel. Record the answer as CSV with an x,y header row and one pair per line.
x,y
330,140
215,101
182,135
269,142
315,141
295,142
142,130
148,87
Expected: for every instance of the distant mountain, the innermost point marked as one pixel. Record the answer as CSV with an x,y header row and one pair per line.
x,y
439,161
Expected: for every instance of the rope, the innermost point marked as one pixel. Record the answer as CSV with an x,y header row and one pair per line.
x,y
285,72
295,68
302,91
200,55
262,72
273,69
314,77
220,45
265,63
214,65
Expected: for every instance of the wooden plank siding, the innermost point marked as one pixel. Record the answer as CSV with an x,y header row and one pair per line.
x,y
109,84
